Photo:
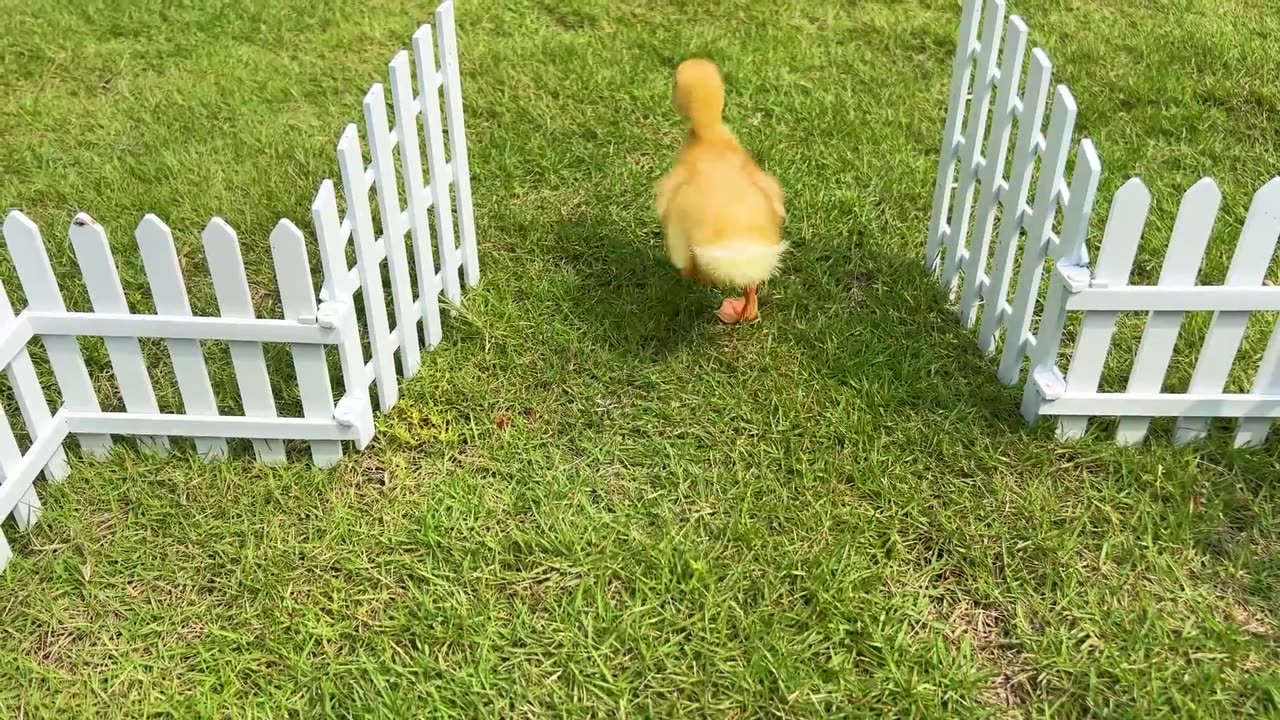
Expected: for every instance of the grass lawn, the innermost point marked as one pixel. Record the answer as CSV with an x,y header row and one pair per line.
x,y
836,511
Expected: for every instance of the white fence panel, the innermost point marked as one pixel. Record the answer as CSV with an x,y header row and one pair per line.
x,y
1248,267
1191,232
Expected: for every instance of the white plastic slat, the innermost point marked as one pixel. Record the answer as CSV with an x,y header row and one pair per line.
x,y
1012,200
440,174
27,510
298,299
1226,331
1191,232
271,429
1120,240
1075,225
992,181
102,280
1061,124
1253,432
16,491
121,325
32,402
231,287
351,163
961,68
164,274
416,195
333,260
393,229
31,260
1203,406
975,133
458,141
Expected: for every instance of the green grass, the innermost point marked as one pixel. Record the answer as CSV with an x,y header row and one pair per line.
x,y
836,511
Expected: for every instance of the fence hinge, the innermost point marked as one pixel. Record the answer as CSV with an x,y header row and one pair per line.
x,y
1049,382
329,315
1076,278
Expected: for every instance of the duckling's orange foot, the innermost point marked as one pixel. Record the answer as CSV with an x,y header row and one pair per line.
x,y
733,311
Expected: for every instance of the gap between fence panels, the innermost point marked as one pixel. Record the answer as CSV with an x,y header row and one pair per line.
x,y
1028,232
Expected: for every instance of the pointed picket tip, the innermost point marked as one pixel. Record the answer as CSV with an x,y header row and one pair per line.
x,y
17,223
325,196
1268,194
218,230
1062,96
399,63
83,219
151,229
1041,59
1017,24
350,138
1133,190
375,95
285,231
1088,154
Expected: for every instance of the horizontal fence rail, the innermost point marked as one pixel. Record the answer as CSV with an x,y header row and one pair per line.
x,y
970,250
424,261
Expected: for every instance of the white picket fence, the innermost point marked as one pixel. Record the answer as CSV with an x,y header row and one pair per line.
x,y
959,251
307,326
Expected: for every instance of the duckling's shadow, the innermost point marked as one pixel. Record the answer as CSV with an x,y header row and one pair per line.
x,y
626,291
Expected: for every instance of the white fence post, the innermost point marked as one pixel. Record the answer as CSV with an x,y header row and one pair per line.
x,y
1191,232
298,300
1071,273
961,66
98,268
31,260
458,140
1048,194
1248,267
169,290
333,259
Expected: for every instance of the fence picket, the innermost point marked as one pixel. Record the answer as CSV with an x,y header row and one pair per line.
x,y
411,168
27,511
32,403
1191,232
1013,199
1057,144
974,135
333,260
369,266
31,260
961,68
1120,240
1226,331
393,228
458,141
298,299
169,291
1253,431
424,59
101,279
231,287
1001,128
